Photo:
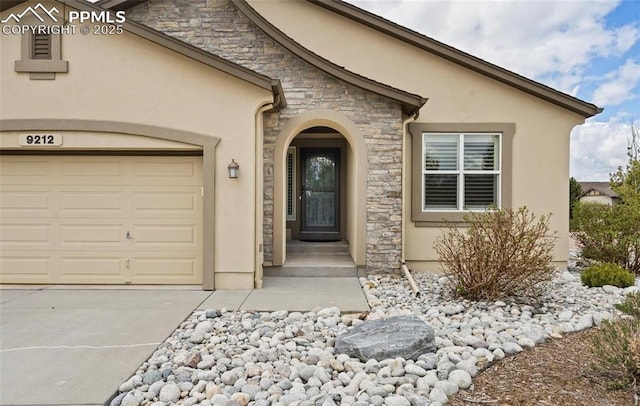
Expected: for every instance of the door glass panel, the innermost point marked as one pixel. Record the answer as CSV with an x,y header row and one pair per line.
x,y
320,173
320,209
320,194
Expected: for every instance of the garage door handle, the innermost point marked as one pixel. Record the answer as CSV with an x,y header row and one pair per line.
x,y
129,237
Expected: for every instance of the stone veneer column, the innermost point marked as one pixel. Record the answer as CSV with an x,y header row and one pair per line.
x,y
219,28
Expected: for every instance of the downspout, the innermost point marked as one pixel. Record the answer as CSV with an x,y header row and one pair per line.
x,y
403,266
258,215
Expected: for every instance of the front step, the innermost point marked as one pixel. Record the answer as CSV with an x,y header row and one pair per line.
x,y
327,265
308,247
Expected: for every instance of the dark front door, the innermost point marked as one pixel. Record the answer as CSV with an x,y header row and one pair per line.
x,y
320,200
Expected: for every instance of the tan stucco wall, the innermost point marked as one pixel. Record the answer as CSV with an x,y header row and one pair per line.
x,y
456,95
125,78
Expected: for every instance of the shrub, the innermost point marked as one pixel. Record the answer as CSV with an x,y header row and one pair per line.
x,y
502,253
609,233
607,274
617,350
631,305
617,346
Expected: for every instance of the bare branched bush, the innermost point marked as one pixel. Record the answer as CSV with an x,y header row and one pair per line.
x,y
502,253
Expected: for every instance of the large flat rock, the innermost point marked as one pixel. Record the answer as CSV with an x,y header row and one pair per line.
x,y
406,337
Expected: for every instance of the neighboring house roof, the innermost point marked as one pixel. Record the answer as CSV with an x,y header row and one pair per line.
x,y
459,57
190,51
603,188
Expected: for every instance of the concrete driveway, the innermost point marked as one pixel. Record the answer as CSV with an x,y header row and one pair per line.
x,y
75,347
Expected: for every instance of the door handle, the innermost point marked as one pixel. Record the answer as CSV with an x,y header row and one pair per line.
x,y
129,236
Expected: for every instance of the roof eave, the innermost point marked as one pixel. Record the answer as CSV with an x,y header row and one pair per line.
x,y
459,57
118,4
411,103
7,4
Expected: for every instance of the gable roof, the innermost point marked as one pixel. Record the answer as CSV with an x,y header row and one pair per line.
x,y
190,51
604,188
411,103
459,57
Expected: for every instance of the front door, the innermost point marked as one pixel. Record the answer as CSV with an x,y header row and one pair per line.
x,y
320,199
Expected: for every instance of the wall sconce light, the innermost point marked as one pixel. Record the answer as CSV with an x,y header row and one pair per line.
x,y
233,169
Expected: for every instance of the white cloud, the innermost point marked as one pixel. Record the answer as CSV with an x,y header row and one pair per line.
x,y
626,37
598,148
551,41
619,85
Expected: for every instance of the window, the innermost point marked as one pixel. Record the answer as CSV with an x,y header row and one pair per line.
x,y
460,171
291,184
459,167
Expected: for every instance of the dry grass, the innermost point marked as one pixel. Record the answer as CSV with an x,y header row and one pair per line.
x,y
556,373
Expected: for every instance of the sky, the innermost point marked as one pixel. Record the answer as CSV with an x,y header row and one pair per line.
x,y
589,49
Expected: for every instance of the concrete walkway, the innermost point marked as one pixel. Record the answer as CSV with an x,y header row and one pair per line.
x,y
295,294
75,346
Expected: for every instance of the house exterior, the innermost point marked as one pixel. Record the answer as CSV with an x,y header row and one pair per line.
x,y
598,192
351,128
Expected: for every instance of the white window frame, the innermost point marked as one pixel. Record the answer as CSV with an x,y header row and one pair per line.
x,y
461,172
291,187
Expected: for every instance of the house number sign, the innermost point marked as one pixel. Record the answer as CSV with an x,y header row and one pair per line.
x,y
40,140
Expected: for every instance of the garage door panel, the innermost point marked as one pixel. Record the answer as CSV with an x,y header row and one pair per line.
x,y
162,235
65,219
94,269
12,235
25,203
166,203
25,171
92,234
156,170
80,202
154,269
98,169
26,269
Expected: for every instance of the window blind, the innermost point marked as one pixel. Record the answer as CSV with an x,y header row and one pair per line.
x,y
461,171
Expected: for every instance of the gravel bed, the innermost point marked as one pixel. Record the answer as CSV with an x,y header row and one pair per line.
x,y
218,357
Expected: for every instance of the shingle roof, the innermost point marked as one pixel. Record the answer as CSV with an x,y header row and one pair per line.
x,y
603,188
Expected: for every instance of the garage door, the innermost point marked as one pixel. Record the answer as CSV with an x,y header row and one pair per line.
x,y
101,219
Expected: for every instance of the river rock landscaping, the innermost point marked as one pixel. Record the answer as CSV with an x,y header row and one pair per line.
x,y
218,357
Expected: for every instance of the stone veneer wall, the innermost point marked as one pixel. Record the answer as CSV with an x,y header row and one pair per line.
x,y
218,27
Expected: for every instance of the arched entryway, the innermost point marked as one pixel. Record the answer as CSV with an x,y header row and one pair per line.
x,y
333,144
